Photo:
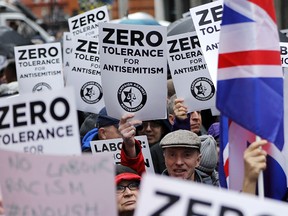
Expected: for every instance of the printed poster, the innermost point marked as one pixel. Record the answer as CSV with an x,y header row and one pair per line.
x,y
43,123
39,67
164,195
85,74
207,19
113,146
86,24
134,70
189,72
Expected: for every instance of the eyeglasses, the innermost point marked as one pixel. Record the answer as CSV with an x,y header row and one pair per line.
x,y
132,186
152,124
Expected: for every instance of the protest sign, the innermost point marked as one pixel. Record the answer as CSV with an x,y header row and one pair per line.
x,y
57,185
207,19
85,75
87,24
189,72
67,53
134,70
114,147
40,123
39,67
284,54
163,195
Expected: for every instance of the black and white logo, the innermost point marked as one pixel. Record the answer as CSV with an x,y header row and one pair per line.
x,y
202,88
91,92
40,87
132,96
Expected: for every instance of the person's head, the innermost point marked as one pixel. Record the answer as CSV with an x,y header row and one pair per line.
x,y
107,126
214,131
170,88
195,121
154,130
209,155
127,186
88,124
10,71
3,64
170,108
181,151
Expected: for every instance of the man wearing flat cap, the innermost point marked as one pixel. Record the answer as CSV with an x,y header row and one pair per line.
x,y
181,150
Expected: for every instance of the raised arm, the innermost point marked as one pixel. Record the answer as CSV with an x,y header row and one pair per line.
x,y
254,163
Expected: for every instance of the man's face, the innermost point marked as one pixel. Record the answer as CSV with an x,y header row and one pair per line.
x,y
126,200
181,162
153,130
109,132
195,122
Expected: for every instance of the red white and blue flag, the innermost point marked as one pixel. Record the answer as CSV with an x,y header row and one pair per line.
x,y
250,86
234,139
250,77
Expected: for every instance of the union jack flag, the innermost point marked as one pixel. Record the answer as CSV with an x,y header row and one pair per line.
x,y
234,139
250,91
249,68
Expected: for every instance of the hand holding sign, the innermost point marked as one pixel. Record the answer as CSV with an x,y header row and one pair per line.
x,y
180,109
128,131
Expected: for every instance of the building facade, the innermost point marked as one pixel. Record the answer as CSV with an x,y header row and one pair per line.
x,y
53,11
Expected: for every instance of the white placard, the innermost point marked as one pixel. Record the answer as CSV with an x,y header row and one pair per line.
x,y
114,147
85,75
284,53
207,19
134,70
163,195
67,53
39,67
57,185
87,24
43,123
189,72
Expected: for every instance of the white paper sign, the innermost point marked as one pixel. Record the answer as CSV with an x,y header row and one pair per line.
x,y
114,146
67,53
207,19
163,195
39,67
284,54
134,70
57,185
40,123
189,72
85,75
86,24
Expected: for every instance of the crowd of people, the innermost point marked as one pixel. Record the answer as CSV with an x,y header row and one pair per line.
x,y
180,146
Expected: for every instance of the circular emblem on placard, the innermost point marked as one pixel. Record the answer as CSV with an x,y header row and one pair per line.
x,y
202,89
40,87
132,96
91,92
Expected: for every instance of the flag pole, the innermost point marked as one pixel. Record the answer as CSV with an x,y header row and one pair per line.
x,y
260,179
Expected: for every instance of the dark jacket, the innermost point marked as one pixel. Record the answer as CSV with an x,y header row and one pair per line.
x,y
198,177
91,135
157,158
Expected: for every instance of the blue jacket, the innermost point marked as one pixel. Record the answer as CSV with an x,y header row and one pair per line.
x,y
89,136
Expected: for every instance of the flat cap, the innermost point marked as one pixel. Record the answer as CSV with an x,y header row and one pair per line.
x,y
181,138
